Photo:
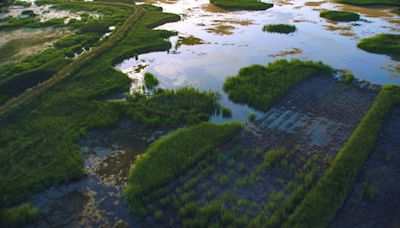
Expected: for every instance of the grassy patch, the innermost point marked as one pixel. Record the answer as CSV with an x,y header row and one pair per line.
x,y
168,107
260,86
279,28
17,216
173,154
388,44
242,4
339,15
370,2
325,199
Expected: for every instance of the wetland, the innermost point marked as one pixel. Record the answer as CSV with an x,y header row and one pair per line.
x,y
199,113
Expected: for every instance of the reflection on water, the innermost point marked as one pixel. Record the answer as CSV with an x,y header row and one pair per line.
x,y
234,39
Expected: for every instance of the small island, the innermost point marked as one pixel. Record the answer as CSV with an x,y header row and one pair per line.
x,y
339,15
242,4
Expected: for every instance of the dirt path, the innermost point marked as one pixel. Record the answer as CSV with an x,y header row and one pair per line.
x,y
375,198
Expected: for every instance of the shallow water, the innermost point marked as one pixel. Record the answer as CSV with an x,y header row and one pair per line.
x,y
46,12
232,40
21,43
96,199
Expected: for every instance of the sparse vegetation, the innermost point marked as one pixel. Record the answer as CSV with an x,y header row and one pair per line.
x,y
171,155
339,15
279,28
260,86
242,4
325,199
17,216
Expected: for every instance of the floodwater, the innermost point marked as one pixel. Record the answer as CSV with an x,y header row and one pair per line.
x,y
234,39
21,43
46,12
96,199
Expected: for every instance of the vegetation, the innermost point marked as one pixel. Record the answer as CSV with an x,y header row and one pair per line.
x,y
388,44
260,86
252,116
242,4
150,81
279,28
325,199
171,155
339,15
17,77
37,139
370,2
172,108
17,216
347,78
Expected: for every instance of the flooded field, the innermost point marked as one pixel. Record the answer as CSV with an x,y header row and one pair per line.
x,y
21,43
234,39
212,44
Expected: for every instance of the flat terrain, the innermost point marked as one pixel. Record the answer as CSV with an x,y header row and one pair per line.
x,y
304,130
375,200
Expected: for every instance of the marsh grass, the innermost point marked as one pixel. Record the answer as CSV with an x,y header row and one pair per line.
x,y
279,28
339,15
260,86
171,155
388,44
370,2
323,201
242,4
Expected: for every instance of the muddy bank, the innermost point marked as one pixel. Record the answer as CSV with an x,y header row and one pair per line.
x,y
310,123
375,199
96,199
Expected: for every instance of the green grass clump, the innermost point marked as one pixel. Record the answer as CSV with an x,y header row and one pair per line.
x,y
18,216
171,155
260,86
18,76
242,4
323,201
347,78
370,2
252,116
279,28
226,112
388,44
339,15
